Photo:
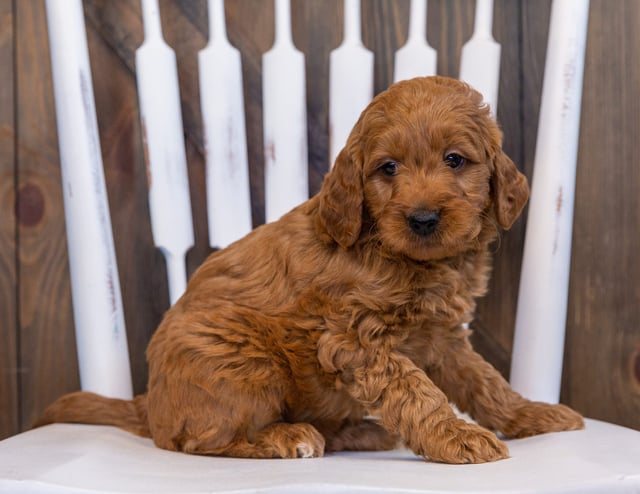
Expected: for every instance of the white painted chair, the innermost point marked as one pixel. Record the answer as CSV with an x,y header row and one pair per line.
x,y
81,459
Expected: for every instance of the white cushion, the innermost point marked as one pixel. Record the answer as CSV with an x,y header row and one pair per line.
x,y
83,458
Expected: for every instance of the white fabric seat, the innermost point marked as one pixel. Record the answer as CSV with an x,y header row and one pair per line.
x,y
603,458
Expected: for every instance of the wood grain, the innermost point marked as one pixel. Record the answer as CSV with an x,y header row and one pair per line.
x,y
47,345
449,25
317,29
383,32
9,369
603,336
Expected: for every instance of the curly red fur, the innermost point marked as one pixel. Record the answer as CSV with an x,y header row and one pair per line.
x,y
285,342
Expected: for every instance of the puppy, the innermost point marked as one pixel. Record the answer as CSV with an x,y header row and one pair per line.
x,y
351,306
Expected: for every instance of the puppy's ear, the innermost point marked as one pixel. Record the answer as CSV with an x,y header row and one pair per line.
x,y
510,190
341,198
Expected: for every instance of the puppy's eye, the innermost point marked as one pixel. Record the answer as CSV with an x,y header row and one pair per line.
x,y
390,168
454,160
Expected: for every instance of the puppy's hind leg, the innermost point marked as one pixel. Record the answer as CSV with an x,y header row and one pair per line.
x,y
246,422
229,417
277,440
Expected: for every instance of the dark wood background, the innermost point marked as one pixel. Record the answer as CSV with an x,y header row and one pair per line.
x,y
37,348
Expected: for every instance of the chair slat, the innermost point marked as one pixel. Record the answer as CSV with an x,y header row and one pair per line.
x,y
285,120
416,58
480,58
95,287
222,102
350,80
169,200
538,346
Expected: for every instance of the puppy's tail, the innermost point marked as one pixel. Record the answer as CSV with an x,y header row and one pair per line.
x,y
83,407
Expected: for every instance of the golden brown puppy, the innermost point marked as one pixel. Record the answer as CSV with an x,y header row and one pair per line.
x,y
351,304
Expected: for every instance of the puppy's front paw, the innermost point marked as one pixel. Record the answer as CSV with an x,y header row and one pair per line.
x,y
456,441
535,418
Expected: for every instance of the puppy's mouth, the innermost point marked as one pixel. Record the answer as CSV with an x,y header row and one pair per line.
x,y
429,234
426,234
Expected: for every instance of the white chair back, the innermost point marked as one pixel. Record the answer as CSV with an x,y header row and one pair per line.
x,y
539,340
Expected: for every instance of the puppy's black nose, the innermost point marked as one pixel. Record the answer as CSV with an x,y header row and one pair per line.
x,y
423,222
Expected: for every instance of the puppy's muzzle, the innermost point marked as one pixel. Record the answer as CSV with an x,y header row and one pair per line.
x,y
423,222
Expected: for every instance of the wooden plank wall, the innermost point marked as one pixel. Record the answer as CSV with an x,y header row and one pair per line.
x,y
9,374
37,348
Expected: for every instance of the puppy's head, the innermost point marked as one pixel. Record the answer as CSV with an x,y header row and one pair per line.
x,y
424,165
